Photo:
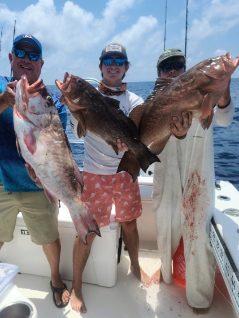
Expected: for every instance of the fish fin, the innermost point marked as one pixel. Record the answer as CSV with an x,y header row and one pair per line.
x,y
162,83
206,122
145,157
208,103
157,147
78,175
113,102
130,164
85,224
30,142
50,197
114,146
32,175
18,148
81,125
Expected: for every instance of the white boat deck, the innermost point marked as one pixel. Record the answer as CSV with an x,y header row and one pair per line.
x,y
127,299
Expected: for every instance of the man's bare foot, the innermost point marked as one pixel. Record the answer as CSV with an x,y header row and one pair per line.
x,y
156,278
77,301
66,296
60,292
140,275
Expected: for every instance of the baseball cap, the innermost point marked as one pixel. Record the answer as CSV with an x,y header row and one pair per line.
x,y
169,53
114,48
28,39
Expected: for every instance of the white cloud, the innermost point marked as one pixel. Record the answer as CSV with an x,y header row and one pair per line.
x,y
216,18
73,37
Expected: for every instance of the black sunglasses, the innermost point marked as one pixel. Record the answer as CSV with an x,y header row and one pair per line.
x,y
174,65
21,54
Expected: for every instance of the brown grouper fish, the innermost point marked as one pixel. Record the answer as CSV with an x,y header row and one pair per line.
x,y
102,116
197,90
44,146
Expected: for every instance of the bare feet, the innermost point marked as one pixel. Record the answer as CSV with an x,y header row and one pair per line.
x,y
140,275
156,278
77,301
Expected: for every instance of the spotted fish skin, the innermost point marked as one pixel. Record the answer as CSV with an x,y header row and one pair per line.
x,y
102,116
44,146
197,90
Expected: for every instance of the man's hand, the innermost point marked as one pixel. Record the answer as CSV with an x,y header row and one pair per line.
x,y
7,98
180,125
121,146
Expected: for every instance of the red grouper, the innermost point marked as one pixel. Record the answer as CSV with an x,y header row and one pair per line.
x,y
44,146
197,90
102,116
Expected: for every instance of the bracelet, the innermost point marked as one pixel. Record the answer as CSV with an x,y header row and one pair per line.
x,y
224,106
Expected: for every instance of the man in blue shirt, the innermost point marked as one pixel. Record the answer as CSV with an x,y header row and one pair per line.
x,y
18,193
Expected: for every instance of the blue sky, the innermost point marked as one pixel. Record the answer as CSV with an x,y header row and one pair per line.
x,y
73,33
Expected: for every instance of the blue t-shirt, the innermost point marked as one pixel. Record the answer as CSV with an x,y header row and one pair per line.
x,y
13,174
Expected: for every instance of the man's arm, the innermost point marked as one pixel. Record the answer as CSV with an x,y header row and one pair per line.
x,y
224,111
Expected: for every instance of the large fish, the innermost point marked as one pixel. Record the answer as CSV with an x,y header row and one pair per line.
x,y
102,116
197,90
44,147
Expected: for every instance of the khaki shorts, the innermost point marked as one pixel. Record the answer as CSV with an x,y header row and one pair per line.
x,y
39,216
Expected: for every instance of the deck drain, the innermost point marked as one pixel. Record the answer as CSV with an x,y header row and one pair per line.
x,y
16,310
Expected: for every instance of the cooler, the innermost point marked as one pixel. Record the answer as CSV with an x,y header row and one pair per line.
x,y
101,267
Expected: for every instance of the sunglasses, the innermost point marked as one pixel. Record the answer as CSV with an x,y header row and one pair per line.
x,y
172,66
21,54
118,61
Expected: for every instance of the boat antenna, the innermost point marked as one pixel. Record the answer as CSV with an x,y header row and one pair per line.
x,y
1,40
13,36
14,30
186,31
165,23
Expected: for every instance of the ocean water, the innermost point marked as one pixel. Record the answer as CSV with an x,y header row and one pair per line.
x,y
226,139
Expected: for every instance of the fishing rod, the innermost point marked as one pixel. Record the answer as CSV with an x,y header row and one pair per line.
x,y
186,31
13,37
1,40
165,23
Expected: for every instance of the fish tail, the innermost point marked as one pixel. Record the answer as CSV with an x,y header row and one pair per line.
x,y
141,158
130,164
145,157
85,224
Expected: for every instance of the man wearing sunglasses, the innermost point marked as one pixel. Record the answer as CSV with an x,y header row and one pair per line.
x,y
18,193
187,165
103,186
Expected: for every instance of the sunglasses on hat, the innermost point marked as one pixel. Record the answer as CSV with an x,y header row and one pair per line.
x,y
118,61
174,65
33,56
